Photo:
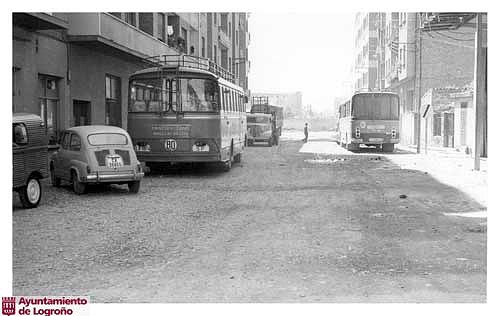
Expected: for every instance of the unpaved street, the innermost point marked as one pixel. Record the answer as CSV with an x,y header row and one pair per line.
x,y
282,226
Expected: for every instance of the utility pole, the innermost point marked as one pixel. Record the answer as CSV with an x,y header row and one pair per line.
x,y
419,94
479,90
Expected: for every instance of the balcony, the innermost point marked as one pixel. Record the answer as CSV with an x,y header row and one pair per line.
x,y
39,21
107,31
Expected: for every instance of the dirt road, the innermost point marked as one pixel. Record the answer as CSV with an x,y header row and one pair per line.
x,y
282,226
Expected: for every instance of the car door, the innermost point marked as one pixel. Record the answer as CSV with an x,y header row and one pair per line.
x,y
19,145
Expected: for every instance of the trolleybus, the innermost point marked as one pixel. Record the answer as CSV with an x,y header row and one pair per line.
x,y
186,109
369,118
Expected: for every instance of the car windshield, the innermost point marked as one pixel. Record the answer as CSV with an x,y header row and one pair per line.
x,y
107,139
375,107
198,95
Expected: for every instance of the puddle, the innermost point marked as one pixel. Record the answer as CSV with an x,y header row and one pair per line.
x,y
481,214
324,161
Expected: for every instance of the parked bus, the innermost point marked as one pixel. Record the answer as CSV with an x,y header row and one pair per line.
x,y
370,118
186,109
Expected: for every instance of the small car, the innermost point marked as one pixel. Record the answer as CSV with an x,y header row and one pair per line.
x,y
29,157
95,154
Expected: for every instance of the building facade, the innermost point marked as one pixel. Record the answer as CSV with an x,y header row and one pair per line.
x,y
411,62
73,68
365,51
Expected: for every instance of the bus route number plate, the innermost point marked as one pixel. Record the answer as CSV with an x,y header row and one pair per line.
x,y
170,145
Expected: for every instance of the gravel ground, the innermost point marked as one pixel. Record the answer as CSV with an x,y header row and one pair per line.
x,y
282,226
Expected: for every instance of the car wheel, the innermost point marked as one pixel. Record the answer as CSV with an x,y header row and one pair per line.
x,y
31,194
53,179
134,186
78,186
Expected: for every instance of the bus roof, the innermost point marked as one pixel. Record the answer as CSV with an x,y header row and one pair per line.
x,y
374,92
184,70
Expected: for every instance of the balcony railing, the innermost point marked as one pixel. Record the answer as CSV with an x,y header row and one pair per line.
x,y
115,32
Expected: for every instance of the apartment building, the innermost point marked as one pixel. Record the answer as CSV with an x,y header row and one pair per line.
x,y
73,68
413,62
365,51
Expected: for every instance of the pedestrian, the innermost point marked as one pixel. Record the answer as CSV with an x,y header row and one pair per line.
x,y
306,133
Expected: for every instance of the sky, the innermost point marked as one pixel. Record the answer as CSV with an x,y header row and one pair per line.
x,y
307,52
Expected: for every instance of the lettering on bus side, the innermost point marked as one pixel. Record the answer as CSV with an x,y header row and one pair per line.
x,y
170,130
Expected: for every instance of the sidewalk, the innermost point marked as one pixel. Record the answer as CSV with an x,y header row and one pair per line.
x,y
450,167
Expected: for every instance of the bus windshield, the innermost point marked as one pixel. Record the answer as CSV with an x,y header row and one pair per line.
x,y
148,95
375,107
258,120
199,95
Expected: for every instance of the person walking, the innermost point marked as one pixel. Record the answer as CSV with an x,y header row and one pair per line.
x,y
306,133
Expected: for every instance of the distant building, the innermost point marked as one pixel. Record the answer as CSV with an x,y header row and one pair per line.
x,y
73,68
291,102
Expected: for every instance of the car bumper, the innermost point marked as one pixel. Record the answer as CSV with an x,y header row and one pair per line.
x,y
114,177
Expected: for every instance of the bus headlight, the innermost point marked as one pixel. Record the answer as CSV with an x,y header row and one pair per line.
x,y
358,132
142,146
393,133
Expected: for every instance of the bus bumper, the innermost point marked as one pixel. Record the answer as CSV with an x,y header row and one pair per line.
x,y
179,157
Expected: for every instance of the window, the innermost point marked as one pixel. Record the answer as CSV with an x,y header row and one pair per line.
x,y
49,101
161,27
113,101
65,140
149,95
198,95
75,143
436,124
463,105
202,46
19,134
130,18
116,14
107,139
215,18
215,53
146,22
375,107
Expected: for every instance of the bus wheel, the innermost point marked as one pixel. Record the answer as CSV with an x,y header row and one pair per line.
x,y
226,165
237,158
387,147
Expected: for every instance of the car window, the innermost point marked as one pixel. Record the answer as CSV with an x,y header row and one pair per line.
x,y
75,143
107,139
19,134
65,140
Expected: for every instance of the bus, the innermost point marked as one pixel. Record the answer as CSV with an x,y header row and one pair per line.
x,y
260,128
369,118
186,109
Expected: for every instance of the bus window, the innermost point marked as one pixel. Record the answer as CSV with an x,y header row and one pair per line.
x,y
173,84
197,95
145,95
